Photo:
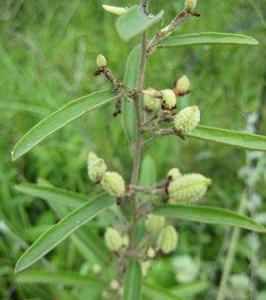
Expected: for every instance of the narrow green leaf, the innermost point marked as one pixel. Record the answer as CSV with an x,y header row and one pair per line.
x,y
131,80
59,119
153,292
207,214
148,171
59,196
55,277
229,137
134,22
132,286
189,290
211,38
60,231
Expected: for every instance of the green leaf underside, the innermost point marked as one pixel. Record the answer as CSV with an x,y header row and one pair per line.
x,y
134,22
131,80
207,214
55,277
153,292
60,231
59,119
59,196
132,285
208,38
230,137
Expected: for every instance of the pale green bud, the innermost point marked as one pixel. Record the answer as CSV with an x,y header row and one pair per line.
x,y
151,252
154,223
96,269
115,10
96,167
101,61
190,5
151,103
167,240
114,184
114,285
188,188
169,98
182,84
113,239
187,119
145,267
174,173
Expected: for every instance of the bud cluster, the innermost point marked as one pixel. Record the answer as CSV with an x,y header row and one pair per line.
x,y
112,182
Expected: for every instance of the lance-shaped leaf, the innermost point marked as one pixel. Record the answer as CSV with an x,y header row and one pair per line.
x,y
207,214
134,21
132,285
60,231
131,80
208,38
55,277
59,119
59,196
230,137
153,292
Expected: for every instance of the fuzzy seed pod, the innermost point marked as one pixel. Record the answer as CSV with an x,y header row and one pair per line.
x,y
167,240
169,98
113,239
115,10
114,285
151,252
154,223
182,84
96,269
174,174
190,5
96,167
151,103
188,188
114,184
187,119
101,61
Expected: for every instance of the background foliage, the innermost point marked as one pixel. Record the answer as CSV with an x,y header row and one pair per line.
x,y
47,56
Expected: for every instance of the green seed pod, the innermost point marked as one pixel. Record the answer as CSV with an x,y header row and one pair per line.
x,y
114,184
101,61
96,167
154,223
174,174
113,239
151,103
187,119
188,188
190,5
167,240
115,10
169,98
151,252
96,269
182,84
114,285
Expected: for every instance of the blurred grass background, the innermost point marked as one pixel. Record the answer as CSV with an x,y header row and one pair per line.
x,y
47,57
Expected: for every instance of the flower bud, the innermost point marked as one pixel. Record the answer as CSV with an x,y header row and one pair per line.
x,y
188,188
151,252
167,240
145,267
169,98
113,239
114,285
151,103
96,167
182,84
187,119
190,5
101,61
115,10
114,184
154,223
96,269
174,174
